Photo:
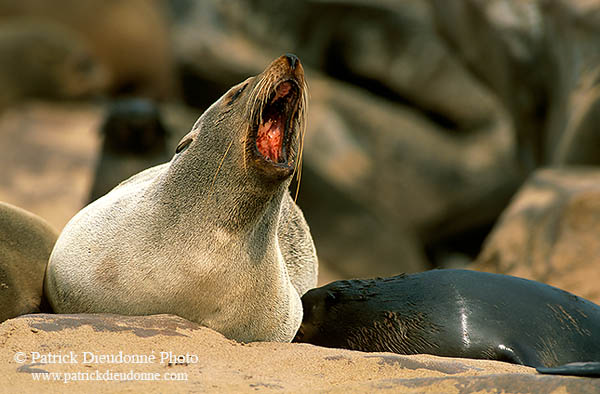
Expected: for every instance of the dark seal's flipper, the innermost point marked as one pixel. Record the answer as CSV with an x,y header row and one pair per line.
x,y
589,369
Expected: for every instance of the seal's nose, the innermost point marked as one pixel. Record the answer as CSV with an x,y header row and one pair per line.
x,y
292,60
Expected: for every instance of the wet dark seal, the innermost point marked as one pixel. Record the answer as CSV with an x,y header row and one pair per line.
x,y
212,236
457,313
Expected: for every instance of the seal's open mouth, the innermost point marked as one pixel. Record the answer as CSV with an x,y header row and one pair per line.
x,y
276,125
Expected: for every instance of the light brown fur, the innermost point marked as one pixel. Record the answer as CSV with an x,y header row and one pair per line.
x,y
41,59
212,236
130,38
26,241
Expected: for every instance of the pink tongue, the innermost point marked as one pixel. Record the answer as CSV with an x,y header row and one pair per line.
x,y
269,140
270,135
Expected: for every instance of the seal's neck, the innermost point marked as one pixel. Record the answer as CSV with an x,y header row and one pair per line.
x,y
232,203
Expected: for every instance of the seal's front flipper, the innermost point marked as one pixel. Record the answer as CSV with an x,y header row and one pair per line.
x,y
590,369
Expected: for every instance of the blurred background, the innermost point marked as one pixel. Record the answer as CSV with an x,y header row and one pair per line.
x,y
441,133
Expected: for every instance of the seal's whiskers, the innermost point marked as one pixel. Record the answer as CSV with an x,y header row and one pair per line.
x,y
220,165
302,119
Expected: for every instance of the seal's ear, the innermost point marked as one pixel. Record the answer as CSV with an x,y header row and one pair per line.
x,y
236,91
183,144
187,139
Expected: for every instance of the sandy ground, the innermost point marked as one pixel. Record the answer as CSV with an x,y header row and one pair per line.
x,y
47,154
197,359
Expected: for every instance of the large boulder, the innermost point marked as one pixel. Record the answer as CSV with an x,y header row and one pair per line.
x,y
382,182
549,233
541,59
406,153
573,33
188,357
501,42
390,49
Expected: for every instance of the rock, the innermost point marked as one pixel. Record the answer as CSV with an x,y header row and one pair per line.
x,y
406,154
502,44
209,362
541,59
26,241
549,232
390,49
132,38
381,183
213,53
351,240
573,31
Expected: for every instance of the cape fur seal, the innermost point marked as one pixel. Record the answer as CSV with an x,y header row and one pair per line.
x,y
26,241
456,313
132,39
40,59
212,236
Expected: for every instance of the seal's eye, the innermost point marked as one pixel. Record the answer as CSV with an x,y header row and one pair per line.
x,y
236,94
183,145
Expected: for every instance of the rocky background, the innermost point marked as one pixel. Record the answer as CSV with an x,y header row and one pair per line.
x,y
201,360
441,133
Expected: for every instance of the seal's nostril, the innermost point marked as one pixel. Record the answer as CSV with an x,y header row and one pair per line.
x,y
292,60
